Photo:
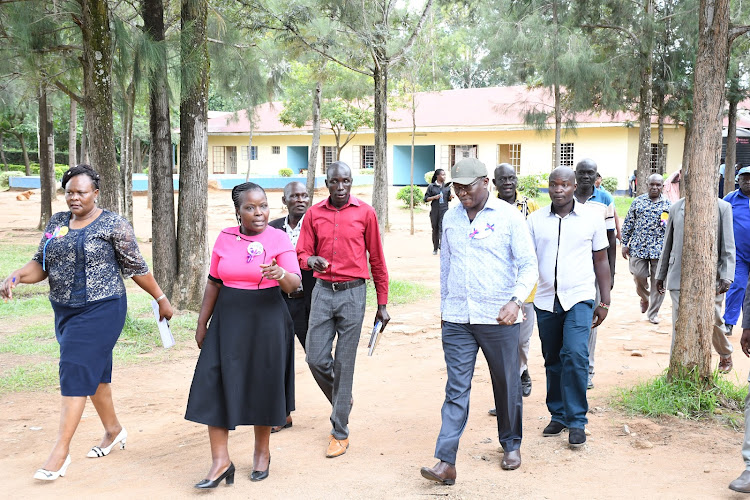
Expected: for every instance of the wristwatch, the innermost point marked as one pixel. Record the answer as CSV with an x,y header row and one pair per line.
x,y
518,302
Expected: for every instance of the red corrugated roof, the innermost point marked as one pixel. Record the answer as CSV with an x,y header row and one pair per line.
x,y
483,108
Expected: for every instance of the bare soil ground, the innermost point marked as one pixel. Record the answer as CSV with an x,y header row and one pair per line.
x,y
396,417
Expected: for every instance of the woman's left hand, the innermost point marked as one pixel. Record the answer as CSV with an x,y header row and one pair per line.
x,y
272,271
165,309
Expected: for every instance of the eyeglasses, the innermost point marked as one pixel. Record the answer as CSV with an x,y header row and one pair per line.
x,y
458,188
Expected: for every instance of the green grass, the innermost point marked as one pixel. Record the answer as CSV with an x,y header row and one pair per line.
x,y
34,340
400,292
38,377
688,398
15,256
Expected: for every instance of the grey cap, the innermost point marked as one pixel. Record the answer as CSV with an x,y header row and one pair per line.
x,y
467,171
744,170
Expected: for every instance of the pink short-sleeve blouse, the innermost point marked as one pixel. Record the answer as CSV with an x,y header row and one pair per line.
x,y
236,258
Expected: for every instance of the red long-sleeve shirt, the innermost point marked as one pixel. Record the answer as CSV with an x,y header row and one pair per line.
x,y
344,236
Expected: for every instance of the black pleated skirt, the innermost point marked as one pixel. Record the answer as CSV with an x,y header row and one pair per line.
x,y
241,377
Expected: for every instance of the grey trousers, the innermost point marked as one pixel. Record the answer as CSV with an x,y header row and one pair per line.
x,y
335,313
746,443
461,343
719,339
594,331
643,271
524,340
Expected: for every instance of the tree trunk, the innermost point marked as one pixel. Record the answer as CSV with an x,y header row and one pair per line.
x,y
46,157
731,156
85,141
73,134
2,154
692,346
411,169
312,161
137,156
380,181
558,127
25,150
250,116
192,251
645,103
126,154
160,181
661,158
97,87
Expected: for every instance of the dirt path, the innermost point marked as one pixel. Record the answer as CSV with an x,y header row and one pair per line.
x,y
396,417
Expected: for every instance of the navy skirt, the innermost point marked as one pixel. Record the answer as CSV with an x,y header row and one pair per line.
x,y
242,373
87,336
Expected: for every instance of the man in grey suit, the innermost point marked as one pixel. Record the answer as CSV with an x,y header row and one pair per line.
x,y
670,267
742,483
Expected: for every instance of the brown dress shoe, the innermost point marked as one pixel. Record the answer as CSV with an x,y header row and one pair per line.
x,y
443,473
511,460
725,364
742,483
336,447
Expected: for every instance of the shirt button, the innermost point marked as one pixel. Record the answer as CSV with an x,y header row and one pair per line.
x,y
337,225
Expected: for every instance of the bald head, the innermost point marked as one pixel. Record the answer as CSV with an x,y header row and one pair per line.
x,y
338,169
563,173
296,200
291,187
339,183
586,176
506,181
655,185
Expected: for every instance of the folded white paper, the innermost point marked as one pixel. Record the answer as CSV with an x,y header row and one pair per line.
x,y
374,337
166,334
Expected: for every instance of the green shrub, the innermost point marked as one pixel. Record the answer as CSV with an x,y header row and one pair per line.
x,y
428,176
403,195
610,184
59,169
366,171
529,185
4,178
285,172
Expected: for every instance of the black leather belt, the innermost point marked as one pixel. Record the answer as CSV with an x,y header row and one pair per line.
x,y
341,285
296,295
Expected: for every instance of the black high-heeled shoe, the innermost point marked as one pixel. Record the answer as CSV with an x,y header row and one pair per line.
x,y
228,474
260,475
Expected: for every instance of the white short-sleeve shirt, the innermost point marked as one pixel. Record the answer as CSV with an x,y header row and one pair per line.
x,y
564,249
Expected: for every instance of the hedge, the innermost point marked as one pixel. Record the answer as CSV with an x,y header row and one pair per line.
x,y
16,157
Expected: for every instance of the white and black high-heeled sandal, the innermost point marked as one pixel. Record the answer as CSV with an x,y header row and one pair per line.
x,y
98,451
51,475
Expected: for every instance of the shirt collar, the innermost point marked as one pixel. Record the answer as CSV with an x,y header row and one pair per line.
x,y
352,201
295,228
572,210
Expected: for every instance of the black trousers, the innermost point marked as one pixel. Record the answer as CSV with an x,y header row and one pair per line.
x,y
436,218
300,313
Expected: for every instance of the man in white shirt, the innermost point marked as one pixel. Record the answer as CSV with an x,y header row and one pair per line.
x,y
566,236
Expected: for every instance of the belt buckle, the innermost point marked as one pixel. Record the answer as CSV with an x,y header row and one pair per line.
x,y
335,287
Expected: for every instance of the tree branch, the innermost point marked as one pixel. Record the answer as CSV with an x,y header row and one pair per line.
x,y
59,48
736,31
629,33
60,85
235,45
395,57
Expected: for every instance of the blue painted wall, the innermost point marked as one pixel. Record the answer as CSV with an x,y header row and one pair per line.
x,y
296,158
424,161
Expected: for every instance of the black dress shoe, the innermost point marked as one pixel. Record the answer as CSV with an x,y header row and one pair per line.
x,y
576,437
553,429
208,483
742,483
511,460
260,475
526,383
279,428
443,473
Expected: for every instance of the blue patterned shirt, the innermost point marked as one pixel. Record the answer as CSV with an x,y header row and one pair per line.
x,y
485,262
644,226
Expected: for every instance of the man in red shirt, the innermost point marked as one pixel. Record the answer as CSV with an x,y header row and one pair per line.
x,y
337,235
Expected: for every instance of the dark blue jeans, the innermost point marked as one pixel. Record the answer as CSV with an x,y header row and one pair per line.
x,y
499,344
565,337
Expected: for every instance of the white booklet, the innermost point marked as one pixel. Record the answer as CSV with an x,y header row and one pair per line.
x,y
166,334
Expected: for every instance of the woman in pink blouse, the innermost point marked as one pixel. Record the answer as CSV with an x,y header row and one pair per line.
x,y
240,374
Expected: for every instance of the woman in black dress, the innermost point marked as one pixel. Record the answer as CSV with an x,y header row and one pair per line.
x,y
439,194
86,252
240,376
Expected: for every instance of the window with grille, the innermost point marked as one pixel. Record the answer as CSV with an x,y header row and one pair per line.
x,y
367,156
510,153
461,151
275,150
329,156
566,155
254,153
658,164
219,159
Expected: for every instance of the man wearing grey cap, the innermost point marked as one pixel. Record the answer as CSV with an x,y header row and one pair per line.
x,y
487,269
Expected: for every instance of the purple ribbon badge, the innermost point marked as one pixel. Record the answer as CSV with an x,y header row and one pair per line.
x,y
253,250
